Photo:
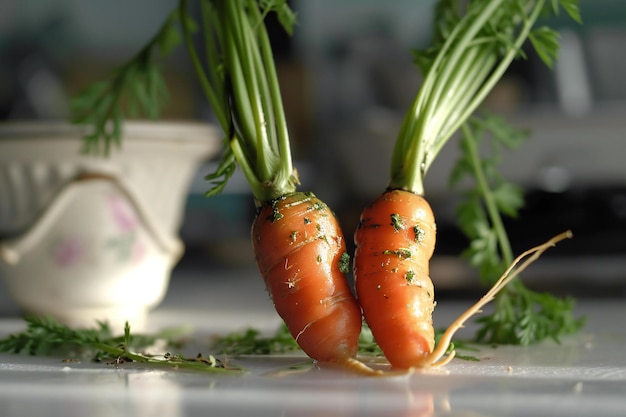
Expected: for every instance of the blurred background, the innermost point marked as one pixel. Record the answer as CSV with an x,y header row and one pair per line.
x,y
347,77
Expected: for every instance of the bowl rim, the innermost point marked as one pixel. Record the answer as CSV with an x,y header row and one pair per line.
x,y
157,130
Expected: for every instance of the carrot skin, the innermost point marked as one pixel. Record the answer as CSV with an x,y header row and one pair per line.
x,y
299,247
394,241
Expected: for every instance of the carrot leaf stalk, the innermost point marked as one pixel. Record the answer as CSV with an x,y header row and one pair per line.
x,y
472,48
240,82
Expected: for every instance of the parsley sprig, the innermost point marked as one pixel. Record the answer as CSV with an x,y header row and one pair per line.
x,y
46,336
521,316
136,87
251,342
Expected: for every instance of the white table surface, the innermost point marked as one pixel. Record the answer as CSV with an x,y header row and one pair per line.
x,y
585,375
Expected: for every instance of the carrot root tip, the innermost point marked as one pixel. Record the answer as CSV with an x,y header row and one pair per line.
x,y
436,360
354,366
436,357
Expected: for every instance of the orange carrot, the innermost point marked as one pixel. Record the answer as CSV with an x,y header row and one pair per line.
x,y
299,247
396,235
301,253
394,242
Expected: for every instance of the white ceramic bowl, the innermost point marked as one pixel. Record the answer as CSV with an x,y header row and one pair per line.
x,y
86,238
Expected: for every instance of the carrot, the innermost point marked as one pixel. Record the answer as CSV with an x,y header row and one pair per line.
x,y
301,253
299,247
395,239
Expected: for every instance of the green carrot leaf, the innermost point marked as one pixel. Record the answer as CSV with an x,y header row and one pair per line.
x,y
500,129
572,8
508,198
521,316
545,41
138,83
285,15
252,342
219,178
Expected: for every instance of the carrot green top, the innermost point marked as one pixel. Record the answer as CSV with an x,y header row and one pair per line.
x,y
241,84
474,44
233,62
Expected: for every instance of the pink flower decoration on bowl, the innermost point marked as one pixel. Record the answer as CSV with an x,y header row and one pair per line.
x,y
123,214
68,251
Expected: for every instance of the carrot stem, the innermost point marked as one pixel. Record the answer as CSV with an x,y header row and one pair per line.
x,y
241,84
467,66
207,88
490,204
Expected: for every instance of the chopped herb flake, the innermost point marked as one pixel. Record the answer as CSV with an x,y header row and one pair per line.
x,y
396,222
319,205
419,233
276,215
400,253
344,263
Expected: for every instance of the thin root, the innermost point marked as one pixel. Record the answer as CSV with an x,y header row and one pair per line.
x,y
354,365
438,356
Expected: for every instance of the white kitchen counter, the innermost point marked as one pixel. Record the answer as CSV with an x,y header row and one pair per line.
x,y
583,376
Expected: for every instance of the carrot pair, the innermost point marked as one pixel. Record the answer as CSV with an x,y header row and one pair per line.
x,y
301,254
299,246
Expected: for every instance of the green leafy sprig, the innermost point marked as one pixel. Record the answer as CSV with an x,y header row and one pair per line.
x,y
135,87
46,336
238,77
251,342
521,316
